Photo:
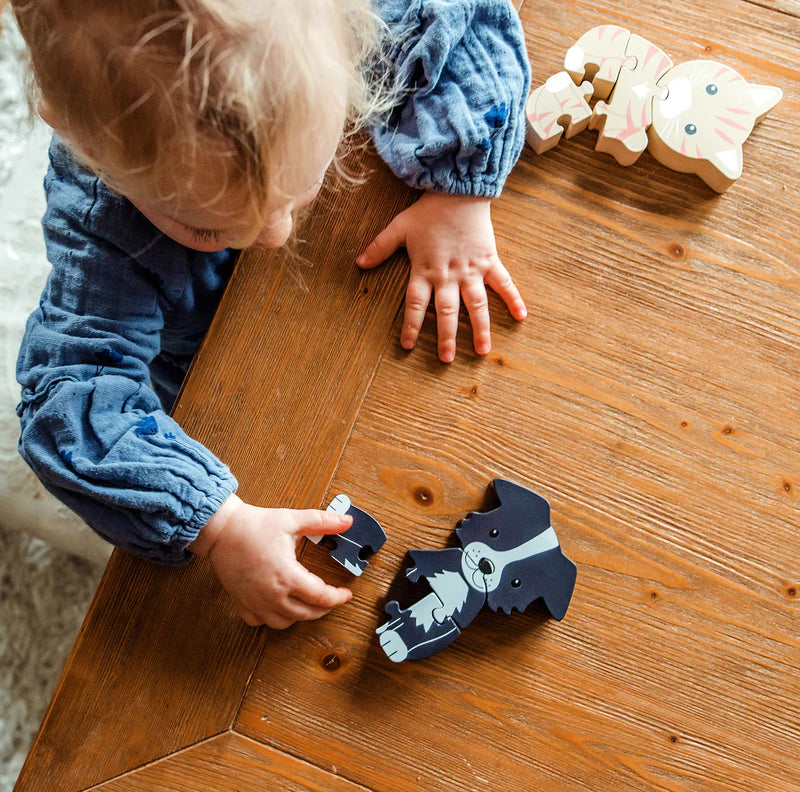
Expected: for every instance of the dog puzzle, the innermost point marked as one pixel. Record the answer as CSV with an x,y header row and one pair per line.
x,y
509,557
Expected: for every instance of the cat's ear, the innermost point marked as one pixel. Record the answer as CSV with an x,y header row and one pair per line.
x,y
764,98
721,169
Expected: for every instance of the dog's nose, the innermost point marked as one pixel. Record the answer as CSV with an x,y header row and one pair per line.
x,y
486,566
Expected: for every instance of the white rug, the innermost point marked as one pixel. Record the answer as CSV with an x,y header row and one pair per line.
x,y
44,592
44,595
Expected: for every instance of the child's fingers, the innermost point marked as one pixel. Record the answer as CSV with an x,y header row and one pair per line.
x,y
313,522
277,621
391,238
418,297
273,619
316,593
300,610
448,301
474,295
501,282
250,618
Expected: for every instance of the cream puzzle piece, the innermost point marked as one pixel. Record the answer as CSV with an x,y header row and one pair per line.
x,y
693,117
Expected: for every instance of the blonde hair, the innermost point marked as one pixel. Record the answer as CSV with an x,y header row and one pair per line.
x,y
136,83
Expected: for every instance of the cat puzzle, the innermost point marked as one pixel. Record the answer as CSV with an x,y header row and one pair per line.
x,y
353,547
692,117
509,557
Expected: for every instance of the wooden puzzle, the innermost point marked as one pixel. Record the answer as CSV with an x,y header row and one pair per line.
x,y
353,547
692,117
509,557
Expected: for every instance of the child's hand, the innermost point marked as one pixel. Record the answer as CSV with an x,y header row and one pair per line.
x,y
253,554
450,241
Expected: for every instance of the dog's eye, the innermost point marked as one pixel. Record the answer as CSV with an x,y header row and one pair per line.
x,y
516,583
494,533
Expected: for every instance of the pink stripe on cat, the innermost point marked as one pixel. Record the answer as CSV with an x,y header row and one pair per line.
x,y
732,123
654,52
616,31
721,134
733,76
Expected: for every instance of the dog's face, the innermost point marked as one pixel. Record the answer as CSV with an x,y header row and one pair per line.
x,y
520,515
513,552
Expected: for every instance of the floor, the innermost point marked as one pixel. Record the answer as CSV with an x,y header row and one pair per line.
x,y
44,592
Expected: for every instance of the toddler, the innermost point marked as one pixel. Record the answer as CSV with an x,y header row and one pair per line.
x,y
186,130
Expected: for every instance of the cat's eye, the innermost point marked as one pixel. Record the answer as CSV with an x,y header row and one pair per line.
x,y
711,89
494,533
690,129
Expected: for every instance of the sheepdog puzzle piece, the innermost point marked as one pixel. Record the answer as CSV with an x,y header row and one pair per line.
x,y
353,547
693,117
509,557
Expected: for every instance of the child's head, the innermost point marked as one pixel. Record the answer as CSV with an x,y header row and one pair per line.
x,y
215,117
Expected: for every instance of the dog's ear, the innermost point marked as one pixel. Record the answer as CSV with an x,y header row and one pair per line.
x,y
520,515
549,576
558,583
522,504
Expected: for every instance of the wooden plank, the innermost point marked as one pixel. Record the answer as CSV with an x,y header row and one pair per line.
x,y
229,762
790,7
676,667
275,389
651,396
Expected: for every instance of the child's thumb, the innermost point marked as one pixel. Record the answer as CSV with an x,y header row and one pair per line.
x,y
391,238
312,522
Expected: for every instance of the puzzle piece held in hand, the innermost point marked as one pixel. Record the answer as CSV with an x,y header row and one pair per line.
x,y
509,557
361,540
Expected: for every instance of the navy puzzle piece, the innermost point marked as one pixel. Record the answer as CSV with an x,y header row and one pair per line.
x,y
363,538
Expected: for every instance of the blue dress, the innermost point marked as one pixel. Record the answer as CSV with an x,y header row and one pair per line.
x,y
125,307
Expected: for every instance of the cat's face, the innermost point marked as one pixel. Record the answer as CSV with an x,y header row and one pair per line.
x,y
708,112
706,109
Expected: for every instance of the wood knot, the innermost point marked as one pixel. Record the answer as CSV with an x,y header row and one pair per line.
x,y
677,251
331,662
423,495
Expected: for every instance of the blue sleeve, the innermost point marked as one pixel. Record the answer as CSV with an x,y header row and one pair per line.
x,y
461,70
92,428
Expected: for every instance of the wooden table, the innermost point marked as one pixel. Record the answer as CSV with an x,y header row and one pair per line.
x,y
651,396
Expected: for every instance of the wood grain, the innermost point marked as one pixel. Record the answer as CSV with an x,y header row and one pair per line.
x,y
650,395
162,660
229,762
